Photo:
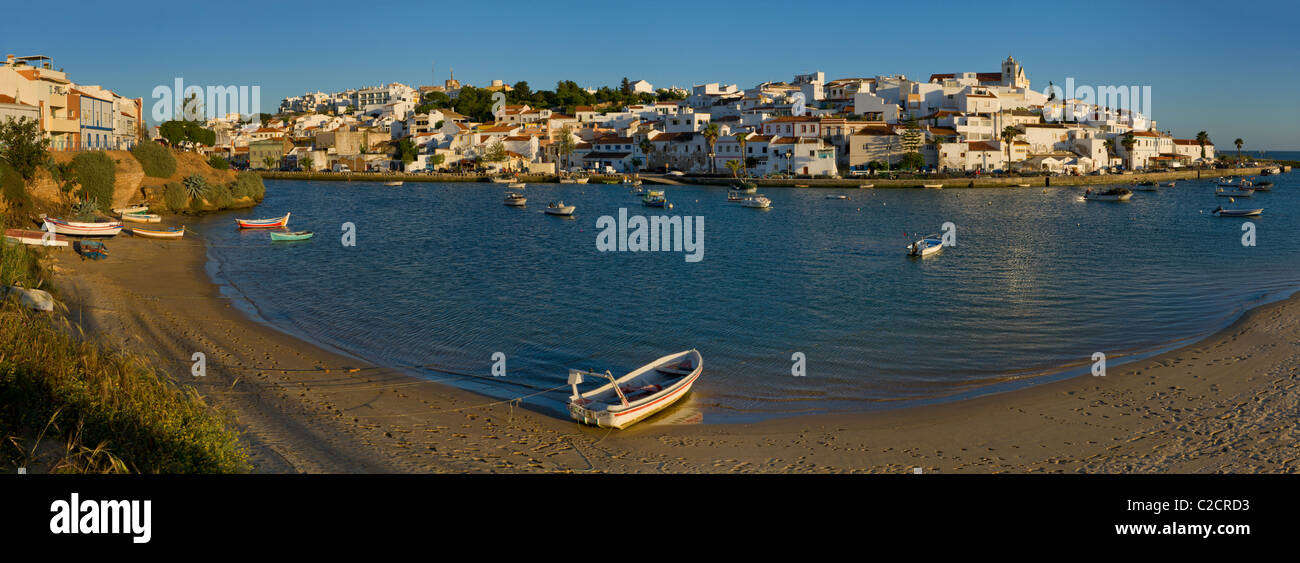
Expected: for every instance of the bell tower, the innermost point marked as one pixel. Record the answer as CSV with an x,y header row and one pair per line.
x,y
1013,74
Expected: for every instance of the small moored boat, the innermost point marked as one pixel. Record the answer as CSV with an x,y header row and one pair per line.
x,y
654,198
840,196
517,185
757,201
36,238
637,395
393,183
866,186
275,223
559,208
1221,212
515,200
160,232
141,218
925,247
1112,194
1238,192
933,186
85,229
294,235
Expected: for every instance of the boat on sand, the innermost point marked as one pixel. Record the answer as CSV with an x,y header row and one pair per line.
x,y
634,397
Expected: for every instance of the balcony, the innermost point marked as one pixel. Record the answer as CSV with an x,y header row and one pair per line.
x,y
62,125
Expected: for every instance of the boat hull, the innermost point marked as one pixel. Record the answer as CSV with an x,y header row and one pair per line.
x,y
621,416
276,223
151,233
36,238
86,229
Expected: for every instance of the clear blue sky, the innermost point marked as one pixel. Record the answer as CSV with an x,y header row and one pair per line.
x,y
1226,67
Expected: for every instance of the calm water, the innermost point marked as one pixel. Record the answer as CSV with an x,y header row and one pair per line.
x,y
444,274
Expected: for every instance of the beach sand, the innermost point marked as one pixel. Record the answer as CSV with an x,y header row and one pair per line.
x,y
1225,404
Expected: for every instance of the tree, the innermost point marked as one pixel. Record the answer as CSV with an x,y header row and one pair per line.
x,y
1239,143
937,141
625,87
711,132
647,147
911,161
437,160
1128,141
306,162
23,146
1109,145
1202,139
179,133
636,164
496,152
734,167
742,138
566,145
1008,135
269,161
406,151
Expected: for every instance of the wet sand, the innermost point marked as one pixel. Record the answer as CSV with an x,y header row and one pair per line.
x,y
1225,404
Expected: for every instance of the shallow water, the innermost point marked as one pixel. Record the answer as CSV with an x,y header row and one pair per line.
x,y
444,274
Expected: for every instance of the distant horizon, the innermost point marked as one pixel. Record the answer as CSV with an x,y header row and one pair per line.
x,y
1197,84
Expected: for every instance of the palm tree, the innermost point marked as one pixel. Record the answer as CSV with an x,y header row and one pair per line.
x,y
1009,134
305,162
1202,139
734,166
711,132
741,138
1110,149
1239,142
938,151
1128,141
647,147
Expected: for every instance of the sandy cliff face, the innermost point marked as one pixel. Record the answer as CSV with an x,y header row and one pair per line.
x,y
130,184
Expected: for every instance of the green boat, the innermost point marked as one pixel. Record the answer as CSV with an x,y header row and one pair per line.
x,y
296,235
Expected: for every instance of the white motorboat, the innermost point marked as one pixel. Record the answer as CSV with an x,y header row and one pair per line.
x,y
757,201
1235,192
559,208
1221,212
518,186
515,200
925,247
1112,194
637,395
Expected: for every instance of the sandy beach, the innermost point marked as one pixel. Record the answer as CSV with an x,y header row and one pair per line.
x,y
1224,404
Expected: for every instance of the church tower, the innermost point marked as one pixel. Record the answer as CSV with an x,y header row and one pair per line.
x,y
451,83
1013,74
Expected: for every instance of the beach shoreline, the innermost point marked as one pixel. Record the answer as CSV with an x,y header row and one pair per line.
x,y
1222,403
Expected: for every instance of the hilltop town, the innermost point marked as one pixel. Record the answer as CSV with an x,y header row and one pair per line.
x,y
809,126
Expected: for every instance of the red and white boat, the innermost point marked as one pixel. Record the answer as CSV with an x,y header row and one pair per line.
x,y
275,223
637,395
84,229
36,238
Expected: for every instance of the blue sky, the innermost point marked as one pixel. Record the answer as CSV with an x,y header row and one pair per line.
x,y
1226,67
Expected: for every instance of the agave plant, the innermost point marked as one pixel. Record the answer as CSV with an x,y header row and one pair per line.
x,y
86,209
196,187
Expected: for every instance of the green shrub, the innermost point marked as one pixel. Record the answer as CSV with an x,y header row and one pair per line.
x,y
156,159
13,189
175,197
219,195
19,265
102,410
97,174
219,162
248,184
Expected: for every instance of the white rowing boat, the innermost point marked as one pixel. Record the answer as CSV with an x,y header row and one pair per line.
x,y
85,229
128,210
1221,212
36,238
637,395
141,218
31,298
1112,194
